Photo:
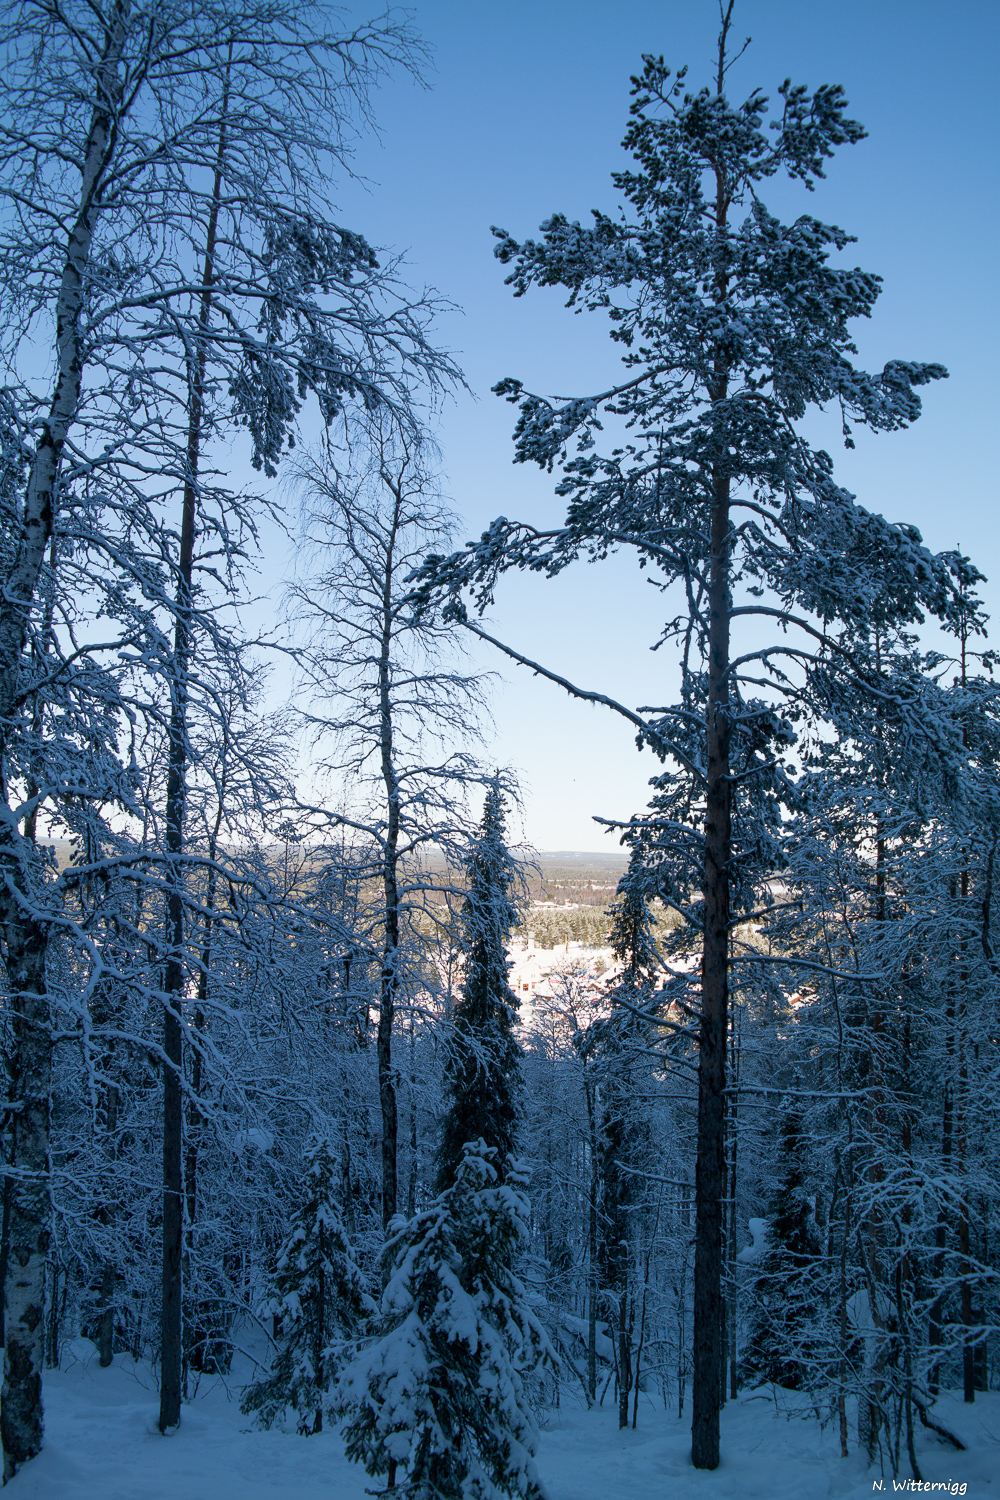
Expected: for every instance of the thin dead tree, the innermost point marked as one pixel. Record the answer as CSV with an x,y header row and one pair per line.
x,y
391,707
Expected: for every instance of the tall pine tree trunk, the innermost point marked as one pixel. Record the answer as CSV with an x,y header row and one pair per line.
x,y
710,1166
713,1035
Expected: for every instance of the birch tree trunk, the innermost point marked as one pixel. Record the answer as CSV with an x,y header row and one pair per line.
x,y
43,473
25,930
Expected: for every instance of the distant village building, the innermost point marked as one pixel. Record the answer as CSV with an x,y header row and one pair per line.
x,y
535,971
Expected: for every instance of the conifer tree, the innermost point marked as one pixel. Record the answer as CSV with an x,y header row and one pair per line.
x,y
731,325
784,1338
631,935
441,1393
482,1076
319,1298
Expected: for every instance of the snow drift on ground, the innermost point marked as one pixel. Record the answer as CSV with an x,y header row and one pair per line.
x,y
102,1444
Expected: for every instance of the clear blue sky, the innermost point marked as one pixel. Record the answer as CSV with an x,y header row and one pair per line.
x,y
524,114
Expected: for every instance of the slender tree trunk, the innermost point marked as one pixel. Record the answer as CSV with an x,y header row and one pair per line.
x,y
934,1336
320,1330
904,1266
961,1091
411,1188
592,1281
642,1322
56,1313
843,1366
732,1235
387,1014
199,1350
346,1183
624,1335
638,1362
964,1241
390,883
878,1147
109,1274
965,1297
593,1278
171,1340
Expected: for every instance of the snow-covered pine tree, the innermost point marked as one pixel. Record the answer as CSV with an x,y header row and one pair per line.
x,y
483,1069
732,325
319,1296
441,1392
784,1337
631,934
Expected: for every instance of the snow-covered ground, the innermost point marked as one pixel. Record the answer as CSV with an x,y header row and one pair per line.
x,y
103,1444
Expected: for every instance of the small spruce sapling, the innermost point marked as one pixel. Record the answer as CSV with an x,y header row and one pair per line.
x,y
440,1394
483,1069
319,1297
